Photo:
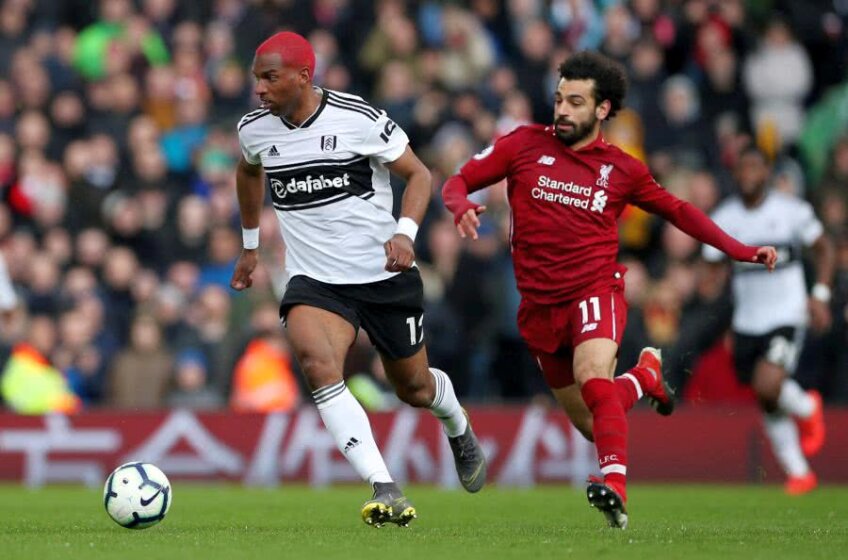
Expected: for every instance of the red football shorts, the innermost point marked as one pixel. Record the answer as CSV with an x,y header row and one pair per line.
x,y
553,331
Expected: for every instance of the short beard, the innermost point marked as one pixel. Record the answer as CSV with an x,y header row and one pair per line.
x,y
578,133
753,195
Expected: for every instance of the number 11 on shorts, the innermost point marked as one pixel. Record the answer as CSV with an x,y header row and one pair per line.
x,y
415,336
596,309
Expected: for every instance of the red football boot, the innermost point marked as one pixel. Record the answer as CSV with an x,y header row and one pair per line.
x,y
811,430
798,485
661,395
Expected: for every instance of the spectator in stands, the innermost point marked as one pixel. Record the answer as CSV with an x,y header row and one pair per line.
x,y
778,76
140,374
29,383
721,90
119,270
263,378
43,280
85,349
224,248
210,332
190,383
681,134
647,74
115,37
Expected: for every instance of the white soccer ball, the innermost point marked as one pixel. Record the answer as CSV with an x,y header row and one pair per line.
x,y
137,495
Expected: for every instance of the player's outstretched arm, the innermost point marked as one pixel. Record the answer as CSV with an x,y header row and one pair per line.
x,y
483,169
692,221
400,250
649,196
251,193
455,195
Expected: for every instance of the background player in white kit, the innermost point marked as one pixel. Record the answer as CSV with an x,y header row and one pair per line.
x,y
8,298
327,156
771,311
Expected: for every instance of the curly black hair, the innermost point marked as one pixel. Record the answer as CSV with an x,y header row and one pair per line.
x,y
609,76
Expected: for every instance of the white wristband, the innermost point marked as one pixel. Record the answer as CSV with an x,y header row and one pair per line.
x,y
821,292
408,227
250,238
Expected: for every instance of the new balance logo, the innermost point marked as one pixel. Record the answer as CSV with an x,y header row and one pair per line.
x,y
273,152
588,327
546,160
353,442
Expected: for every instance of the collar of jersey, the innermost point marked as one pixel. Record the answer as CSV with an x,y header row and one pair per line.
x,y
313,116
597,144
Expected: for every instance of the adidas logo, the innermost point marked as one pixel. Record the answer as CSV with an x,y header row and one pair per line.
x,y
273,151
546,160
353,442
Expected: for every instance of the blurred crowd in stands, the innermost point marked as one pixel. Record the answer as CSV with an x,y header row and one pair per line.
x,y
119,224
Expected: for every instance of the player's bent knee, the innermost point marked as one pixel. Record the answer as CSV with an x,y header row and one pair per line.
x,y
590,370
767,384
767,396
415,390
414,394
319,371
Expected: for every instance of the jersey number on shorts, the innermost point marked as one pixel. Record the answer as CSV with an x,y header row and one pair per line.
x,y
415,335
595,304
782,352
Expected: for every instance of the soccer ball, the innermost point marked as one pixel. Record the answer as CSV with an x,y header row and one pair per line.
x,y
137,495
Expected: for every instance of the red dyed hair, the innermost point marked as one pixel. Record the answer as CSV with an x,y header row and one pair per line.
x,y
294,50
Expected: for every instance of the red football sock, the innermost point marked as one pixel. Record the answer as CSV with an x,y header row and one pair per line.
x,y
610,431
633,385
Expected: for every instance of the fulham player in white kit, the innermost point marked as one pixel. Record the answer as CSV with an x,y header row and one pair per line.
x,y
326,158
771,311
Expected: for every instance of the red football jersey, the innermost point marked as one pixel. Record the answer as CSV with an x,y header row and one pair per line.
x,y
565,205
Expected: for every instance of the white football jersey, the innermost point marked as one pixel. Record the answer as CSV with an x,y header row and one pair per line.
x,y
329,185
763,301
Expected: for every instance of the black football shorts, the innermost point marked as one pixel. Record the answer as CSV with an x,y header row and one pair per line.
x,y
780,347
391,311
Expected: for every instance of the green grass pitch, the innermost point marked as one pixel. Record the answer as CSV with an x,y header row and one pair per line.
x,y
230,522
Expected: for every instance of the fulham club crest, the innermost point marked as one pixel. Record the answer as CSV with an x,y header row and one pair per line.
x,y
328,143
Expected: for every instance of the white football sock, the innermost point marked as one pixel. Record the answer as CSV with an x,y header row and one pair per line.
x,y
783,434
346,421
446,407
794,400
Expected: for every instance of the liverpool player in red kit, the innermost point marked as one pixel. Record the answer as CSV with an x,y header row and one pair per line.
x,y
566,189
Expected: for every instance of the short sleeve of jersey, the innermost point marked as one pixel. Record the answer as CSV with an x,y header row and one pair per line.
x,y
252,159
808,228
385,141
491,164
